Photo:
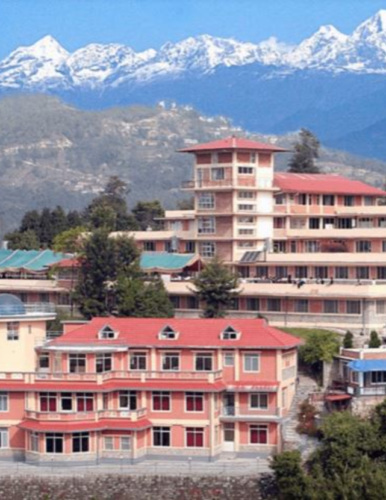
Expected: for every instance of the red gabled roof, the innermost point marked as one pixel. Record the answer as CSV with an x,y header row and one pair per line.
x,y
192,332
73,262
323,184
100,425
233,143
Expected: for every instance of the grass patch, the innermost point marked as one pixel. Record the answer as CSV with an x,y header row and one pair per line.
x,y
305,333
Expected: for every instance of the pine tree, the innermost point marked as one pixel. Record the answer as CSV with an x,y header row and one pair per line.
x,y
348,340
216,286
375,341
306,151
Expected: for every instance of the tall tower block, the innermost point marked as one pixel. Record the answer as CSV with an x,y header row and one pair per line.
x,y
233,193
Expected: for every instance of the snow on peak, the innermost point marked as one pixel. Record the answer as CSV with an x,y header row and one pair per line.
x,y
47,47
372,26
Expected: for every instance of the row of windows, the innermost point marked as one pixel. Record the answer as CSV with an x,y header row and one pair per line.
x,y
316,199
322,272
151,246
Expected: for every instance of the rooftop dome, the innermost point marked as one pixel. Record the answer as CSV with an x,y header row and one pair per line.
x,y
10,305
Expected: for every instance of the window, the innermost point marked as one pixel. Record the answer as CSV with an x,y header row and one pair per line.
x,y
207,249
321,272
206,200
378,377
246,232
190,246
66,401
204,362
167,333
47,401
3,437
353,307
229,359
362,273
161,401
348,201
85,401
279,222
192,302
281,272
381,307
54,443
206,225
302,199
328,199
328,223
262,271
170,361
245,206
138,361
365,222
312,246
252,304
246,195
77,363
107,333
175,300
34,441
258,434
252,158
246,219
280,199
341,273
149,246
80,442
258,400
234,304
127,400
44,361
381,273
251,362
218,174
3,401
301,306
109,443
103,363
125,443
363,246
13,330
194,401
382,222
301,272
246,170
274,305
314,223
330,307
161,436
230,334
368,201
194,437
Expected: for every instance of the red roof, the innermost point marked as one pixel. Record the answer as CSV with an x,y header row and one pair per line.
x,y
74,262
192,332
100,425
233,143
323,184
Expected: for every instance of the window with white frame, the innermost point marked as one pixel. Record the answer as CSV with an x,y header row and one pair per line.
x,y
363,246
258,434
330,306
246,195
246,219
161,436
125,444
194,437
168,333
34,441
103,362
54,442
230,333
77,363
258,401
44,361
247,207
107,333
161,401
381,273
4,443
312,246
47,401
13,330
66,401
194,401
353,307
378,377
207,249
229,359
380,307
251,362
170,361
80,442
3,401
341,273
206,201
217,174
108,443
362,273
204,362
206,225
138,361
85,401
246,231
127,400
246,170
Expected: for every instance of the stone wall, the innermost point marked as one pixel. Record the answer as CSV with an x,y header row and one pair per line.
x,y
120,487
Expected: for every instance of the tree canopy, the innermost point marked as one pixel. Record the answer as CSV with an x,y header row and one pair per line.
x,y
216,286
306,151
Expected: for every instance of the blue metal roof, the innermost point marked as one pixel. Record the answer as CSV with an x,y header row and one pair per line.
x,y
165,261
368,365
29,260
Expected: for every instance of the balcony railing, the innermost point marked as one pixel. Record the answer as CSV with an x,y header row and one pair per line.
x,y
245,411
376,390
132,415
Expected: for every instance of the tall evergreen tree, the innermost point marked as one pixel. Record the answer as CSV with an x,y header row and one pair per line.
x,y
145,213
305,154
216,286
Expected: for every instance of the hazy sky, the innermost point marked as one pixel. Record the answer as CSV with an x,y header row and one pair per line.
x,y
142,24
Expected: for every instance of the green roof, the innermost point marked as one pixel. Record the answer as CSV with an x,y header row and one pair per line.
x,y
28,260
165,261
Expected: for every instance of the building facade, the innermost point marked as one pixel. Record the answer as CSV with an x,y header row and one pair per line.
x,y
130,389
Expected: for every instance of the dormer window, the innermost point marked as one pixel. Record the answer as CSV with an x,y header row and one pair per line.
x,y
230,334
107,333
167,333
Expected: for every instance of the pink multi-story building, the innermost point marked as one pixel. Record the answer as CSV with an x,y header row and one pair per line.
x,y
128,388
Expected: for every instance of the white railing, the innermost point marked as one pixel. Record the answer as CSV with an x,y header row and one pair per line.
x,y
96,415
241,411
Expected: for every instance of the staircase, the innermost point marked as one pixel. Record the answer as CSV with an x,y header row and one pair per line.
x,y
291,439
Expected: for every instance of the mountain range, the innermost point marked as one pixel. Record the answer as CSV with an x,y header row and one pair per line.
x,y
332,83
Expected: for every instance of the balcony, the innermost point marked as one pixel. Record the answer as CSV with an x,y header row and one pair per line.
x,y
244,412
132,415
375,390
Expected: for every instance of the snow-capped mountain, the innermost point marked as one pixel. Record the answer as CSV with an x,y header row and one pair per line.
x,y
46,64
